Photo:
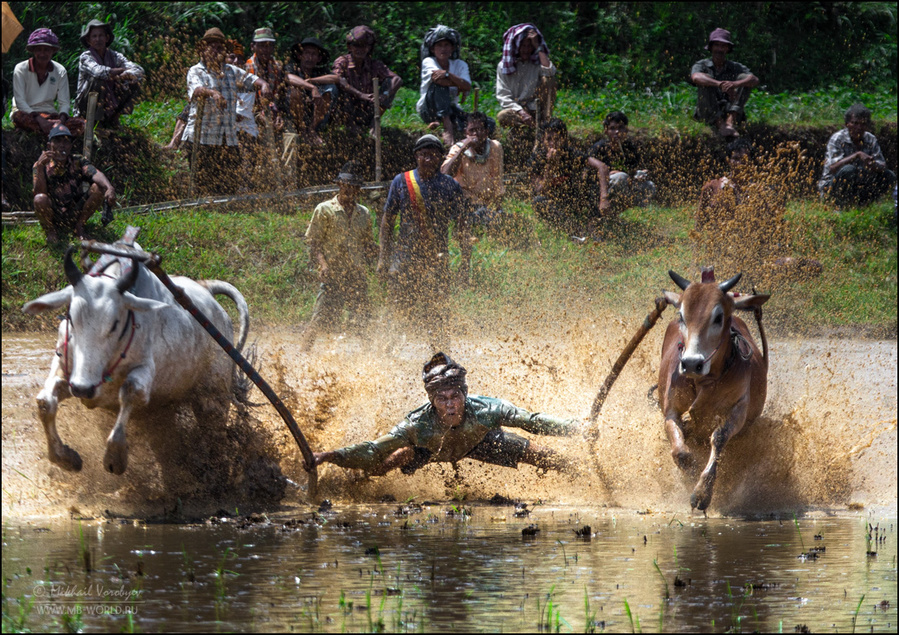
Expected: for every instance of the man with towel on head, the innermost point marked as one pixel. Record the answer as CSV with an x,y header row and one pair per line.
x,y
454,426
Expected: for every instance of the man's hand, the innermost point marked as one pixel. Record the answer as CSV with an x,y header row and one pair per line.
x,y
109,195
439,74
534,38
324,273
323,457
525,117
46,157
467,142
219,99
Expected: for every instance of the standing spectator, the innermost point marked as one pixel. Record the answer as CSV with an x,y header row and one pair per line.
x,y
313,88
476,163
564,182
524,76
417,268
61,204
621,178
108,73
264,66
443,77
41,88
342,249
218,84
855,172
355,72
723,86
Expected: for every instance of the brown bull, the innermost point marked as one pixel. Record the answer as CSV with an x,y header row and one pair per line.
x,y
712,368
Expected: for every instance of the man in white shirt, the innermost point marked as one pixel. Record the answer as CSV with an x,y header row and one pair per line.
x,y
443,77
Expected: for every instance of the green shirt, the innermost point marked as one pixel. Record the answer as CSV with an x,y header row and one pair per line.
x,y
421,429
344,238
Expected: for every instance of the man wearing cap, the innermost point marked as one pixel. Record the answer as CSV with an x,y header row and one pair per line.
x,y
60,201
41,88
108,73
217,85
266,67
723,86
453,426
313,88
524,76
417,263
342,248
355,72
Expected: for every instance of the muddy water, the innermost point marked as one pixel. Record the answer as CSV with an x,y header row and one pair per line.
x,y
824,450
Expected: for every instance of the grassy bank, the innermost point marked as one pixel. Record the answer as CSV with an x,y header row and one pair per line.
x,y
531,272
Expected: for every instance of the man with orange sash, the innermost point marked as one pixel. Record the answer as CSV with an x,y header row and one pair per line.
x,y
416,264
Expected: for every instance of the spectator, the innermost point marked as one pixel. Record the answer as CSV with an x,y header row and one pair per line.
x,y
524,77
723,86
565,183
417,268
719,198
313,88
355,72
41,88
264,66
61,203
108,73
476,163
855,172
217,85
621,178
342,249
443,77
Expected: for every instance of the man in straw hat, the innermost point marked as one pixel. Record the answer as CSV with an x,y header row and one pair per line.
x,y
723,86
41,88
218,85
453,426
108,73
342,248
60,202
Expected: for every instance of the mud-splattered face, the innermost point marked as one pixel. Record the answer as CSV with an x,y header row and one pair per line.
x,y
450,406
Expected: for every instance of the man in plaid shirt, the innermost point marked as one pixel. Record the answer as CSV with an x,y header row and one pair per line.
x,y
217,84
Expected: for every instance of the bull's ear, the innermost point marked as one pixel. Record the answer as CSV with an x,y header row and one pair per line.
x,y
749,302
142,304
49,301
673,298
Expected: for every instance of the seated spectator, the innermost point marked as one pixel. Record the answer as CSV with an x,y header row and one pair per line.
x,y
565,182
621,179
61,202
719,198
443,77
855,172
266,67
476,163
313,88
355,72
41,88
723,86
218,86
108,73
524,77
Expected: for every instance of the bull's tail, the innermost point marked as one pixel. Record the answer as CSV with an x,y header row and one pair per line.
x,y
218,287
758,321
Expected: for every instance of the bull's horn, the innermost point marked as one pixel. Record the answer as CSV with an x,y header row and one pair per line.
x,y
126,282
73,273
727,285
680,281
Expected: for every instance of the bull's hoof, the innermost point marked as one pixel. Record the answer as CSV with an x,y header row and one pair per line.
x,y
683,458
68,459
116,458
701,497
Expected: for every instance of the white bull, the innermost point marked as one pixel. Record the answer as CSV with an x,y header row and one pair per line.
x,y
126,344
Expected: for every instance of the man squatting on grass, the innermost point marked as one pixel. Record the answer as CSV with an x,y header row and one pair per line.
x,y
454,426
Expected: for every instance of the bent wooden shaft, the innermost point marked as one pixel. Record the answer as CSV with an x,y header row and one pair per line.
x,y
648,323
377,96
89,126
152,262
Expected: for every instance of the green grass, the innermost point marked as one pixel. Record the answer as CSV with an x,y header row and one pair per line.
x,y
535,272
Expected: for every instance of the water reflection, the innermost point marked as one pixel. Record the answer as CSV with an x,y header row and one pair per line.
x,y
440,573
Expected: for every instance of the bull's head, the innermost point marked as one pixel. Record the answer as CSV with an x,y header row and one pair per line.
x,y
98,310
704,316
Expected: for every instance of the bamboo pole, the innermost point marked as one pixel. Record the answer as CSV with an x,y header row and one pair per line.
x,y
377,97
89,125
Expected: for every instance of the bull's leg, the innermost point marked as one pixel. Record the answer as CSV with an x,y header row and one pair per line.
x,y
675,431
135,391
702,493
56,389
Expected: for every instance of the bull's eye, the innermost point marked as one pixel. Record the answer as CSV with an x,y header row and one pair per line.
x,y
115,325
719,319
